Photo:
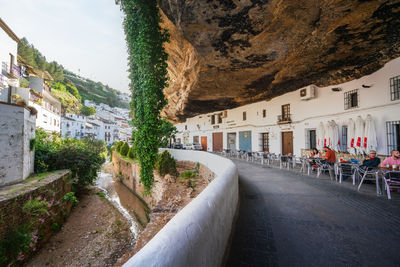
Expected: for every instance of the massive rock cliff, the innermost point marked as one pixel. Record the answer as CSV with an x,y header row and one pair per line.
x,y
227,53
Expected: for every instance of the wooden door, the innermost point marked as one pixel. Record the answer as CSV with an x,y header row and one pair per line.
x,y
287,143
204,143
217,142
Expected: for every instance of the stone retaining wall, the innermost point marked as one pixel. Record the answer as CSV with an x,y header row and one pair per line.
x,y
129,174
13,198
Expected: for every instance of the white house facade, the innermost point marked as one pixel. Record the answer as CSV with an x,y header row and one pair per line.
x,y
79,126
288,123
8,57
38,95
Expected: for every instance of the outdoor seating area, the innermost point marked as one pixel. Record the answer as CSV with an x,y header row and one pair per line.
x,y
386,179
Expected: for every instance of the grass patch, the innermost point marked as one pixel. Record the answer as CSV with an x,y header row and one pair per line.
x,y
101,194
128,159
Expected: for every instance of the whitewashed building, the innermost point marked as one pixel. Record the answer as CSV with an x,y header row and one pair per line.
x,y
122,130
38,95
8,56
288,123
17,131
79,126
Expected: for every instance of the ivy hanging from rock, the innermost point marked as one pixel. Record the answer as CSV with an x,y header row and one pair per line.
x,y
148,75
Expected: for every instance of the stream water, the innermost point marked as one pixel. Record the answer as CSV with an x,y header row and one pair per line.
x,y
130,206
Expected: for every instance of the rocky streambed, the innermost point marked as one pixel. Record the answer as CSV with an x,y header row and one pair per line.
x,y
111,223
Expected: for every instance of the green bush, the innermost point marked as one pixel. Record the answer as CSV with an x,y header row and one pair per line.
x,y
83,157
124,149
166,164
118,146
131,153
70,198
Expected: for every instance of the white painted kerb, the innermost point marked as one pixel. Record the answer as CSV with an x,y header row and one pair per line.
x,y
198,234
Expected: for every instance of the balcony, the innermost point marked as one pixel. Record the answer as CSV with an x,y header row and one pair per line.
x,y
5,68
286,118
15,71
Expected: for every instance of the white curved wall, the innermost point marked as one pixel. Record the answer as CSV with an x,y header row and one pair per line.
x,y
198,234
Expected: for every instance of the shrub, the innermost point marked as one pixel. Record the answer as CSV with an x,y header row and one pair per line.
x,y
55,227
118,146
83,157
188,174
131,153
124,149
166,164
70,198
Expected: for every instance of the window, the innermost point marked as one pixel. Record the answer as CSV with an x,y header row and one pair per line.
x,y
395,88
212,119
311,139
393,135
244,115
264,113
351,99
185,127
219,118
285,112
264,142
343,143
196,140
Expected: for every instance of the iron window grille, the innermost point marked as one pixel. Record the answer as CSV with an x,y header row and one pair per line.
x,y
395,88
286,112
264,142
343,143
393,135
351,99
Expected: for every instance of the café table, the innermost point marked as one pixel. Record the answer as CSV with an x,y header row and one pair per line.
x,y
384,174
342,166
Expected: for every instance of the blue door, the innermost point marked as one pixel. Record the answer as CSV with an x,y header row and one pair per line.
x,y
245,140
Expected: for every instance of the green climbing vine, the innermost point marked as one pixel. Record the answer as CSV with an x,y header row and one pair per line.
x,y
148,75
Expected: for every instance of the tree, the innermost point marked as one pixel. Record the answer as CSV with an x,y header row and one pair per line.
x,y
168,131
87,111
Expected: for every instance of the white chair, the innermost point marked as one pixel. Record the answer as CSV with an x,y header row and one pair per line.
x,y
323,166
365,174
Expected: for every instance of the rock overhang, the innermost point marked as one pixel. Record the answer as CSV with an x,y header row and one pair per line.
x,y
225,54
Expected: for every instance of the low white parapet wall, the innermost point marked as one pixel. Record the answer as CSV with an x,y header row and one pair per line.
x,y
199,233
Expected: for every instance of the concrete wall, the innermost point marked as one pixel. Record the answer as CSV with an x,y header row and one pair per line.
x,y
198,234
17,128
327,105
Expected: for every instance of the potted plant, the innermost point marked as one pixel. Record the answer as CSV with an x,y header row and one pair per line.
x,y
21,102
15,98
18,100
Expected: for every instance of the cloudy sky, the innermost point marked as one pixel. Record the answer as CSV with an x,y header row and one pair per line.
x,y
85,36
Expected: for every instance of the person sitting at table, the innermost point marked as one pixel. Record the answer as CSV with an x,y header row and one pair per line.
x,y
394,159
315,154
330,156
371,162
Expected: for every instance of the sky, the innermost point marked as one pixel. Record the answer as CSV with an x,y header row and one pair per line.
x,y
85,36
